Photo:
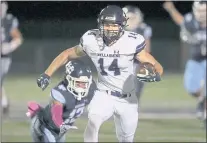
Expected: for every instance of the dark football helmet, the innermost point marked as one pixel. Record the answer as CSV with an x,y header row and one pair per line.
x,y
78,78
111,22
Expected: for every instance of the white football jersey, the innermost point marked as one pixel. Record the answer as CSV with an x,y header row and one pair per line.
x,y
114,63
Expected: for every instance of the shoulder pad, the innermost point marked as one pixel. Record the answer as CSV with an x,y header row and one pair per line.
x,y
190,24
55,94
89,33
94,32
188,17
133,35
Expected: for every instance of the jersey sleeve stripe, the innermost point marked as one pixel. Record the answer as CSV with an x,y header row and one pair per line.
x,y
140,47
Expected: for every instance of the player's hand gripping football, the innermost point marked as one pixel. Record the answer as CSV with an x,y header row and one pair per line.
x,y
147,73
43,81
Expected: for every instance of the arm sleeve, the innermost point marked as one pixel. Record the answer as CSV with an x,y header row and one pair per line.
x,y
140,44
83,42
57,113
57,109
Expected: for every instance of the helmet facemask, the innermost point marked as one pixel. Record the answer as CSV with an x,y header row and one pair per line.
x,y
79,87
199,11
110,32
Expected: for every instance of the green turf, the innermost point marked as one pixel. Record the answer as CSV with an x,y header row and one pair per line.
x,y
149,130
166,94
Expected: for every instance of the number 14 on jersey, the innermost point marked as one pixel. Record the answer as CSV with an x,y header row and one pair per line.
x,y
113,67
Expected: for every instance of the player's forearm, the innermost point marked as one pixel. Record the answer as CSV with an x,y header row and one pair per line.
x,y
156,64
12,46
158,67
176,16
59,61
146,57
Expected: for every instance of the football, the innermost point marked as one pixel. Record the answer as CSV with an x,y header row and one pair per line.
x,y
146,69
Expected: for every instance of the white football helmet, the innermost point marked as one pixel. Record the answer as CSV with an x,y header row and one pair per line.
x,y
3,9
199,11
134,17
78,78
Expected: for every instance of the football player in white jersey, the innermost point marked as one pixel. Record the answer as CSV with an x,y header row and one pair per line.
x,y
113,52
11,39
135,23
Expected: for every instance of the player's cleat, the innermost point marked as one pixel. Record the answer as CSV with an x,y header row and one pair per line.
x,y
33,108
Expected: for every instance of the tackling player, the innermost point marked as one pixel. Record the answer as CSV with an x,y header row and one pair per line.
x,y
67,102
112,50
11,39
135,23
193,32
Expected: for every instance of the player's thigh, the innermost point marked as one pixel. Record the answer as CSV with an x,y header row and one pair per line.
x,y
101,105
126,119
193,76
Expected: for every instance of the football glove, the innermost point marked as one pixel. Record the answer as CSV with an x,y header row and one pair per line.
x,y
43,81
149,78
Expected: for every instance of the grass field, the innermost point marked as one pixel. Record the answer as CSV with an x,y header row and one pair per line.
x,y
149,130
167,95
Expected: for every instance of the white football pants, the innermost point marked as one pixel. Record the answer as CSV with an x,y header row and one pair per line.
x,y
102,107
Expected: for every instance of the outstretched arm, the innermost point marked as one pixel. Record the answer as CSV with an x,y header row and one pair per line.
x,y
62,58
174,13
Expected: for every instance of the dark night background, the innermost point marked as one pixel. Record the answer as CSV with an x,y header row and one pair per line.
x,y
83,9
59,24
